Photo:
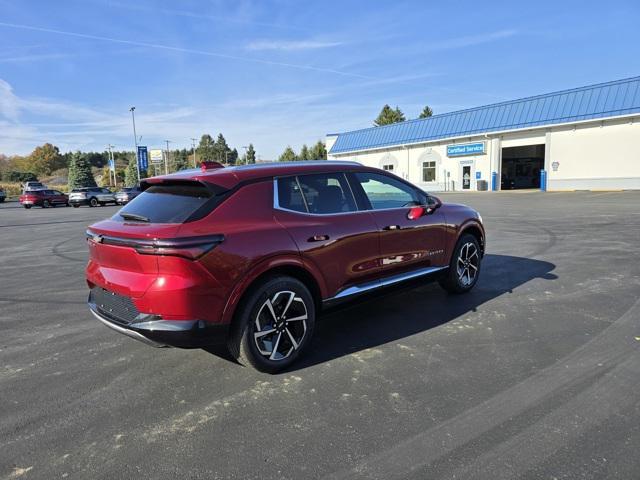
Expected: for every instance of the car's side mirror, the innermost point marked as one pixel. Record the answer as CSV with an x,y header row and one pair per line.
x,y
433,203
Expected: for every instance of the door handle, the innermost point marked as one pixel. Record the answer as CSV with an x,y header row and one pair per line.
x,y
318,238
392,227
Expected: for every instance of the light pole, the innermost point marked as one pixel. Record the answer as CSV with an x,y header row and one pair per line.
x,y
135,141
166,159
193,145
246,159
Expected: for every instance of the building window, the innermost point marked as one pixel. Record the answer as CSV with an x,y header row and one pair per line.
x,y
428,171
388,167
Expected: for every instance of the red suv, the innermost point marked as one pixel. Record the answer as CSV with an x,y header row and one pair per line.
x,y
249,255
43,198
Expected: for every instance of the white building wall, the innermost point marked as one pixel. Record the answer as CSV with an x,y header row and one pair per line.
x,y
595,155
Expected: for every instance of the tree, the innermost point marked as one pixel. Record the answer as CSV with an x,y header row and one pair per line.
x,y
318,151
288,155
426,112
179,160
388,116
46,159
222,151
80,172
232,157
206,150
251,154
304,153
131,174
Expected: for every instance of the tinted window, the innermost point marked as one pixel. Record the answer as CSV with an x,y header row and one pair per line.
x,y
327,193
386,192
289,195
172,203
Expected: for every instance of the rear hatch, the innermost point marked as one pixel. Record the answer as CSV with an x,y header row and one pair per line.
x,y
125,250
77,195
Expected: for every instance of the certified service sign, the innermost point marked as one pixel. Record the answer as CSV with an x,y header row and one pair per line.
x,y
466,149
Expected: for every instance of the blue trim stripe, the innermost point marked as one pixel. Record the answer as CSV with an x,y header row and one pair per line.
x,y
620,97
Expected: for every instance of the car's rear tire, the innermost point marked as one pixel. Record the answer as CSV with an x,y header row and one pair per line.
x,y
27,206
93,202
273,324
75,205
464,268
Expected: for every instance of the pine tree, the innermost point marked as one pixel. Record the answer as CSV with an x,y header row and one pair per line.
x,y
288,155
131,174
318,151
206,150
388,116
426,112
80,172
304,153
251,154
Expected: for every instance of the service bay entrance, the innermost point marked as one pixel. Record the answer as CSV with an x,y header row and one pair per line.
x,y
521,167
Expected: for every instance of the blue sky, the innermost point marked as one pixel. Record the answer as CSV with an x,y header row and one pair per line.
x,y
280,73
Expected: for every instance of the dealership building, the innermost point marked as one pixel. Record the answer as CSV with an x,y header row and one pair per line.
x,y
585,138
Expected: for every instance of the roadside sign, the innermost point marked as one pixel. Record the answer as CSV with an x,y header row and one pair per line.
x,y
143,159
156,155
112,165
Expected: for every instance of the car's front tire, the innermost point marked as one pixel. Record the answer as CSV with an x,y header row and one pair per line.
x,y
46,204
93,202
464,268
75,205
273,325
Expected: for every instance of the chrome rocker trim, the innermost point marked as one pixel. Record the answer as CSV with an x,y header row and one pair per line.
x,y
383,282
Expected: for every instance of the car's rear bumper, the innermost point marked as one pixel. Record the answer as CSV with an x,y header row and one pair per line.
x,y
154,330
79,201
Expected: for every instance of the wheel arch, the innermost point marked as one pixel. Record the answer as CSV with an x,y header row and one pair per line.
x,y
261,273
472,228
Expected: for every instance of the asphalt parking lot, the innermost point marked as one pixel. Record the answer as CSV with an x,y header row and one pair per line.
x,y
534,374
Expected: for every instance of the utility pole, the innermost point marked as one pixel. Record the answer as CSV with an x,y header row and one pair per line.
x,y
112,162
246,159
166,159
193,145
135,142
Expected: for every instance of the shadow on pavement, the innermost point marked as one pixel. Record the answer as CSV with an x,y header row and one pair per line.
x,y
399,313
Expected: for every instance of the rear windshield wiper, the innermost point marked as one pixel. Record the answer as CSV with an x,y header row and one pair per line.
x,y
134,216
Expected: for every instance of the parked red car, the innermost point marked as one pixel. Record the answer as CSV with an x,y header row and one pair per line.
x,y
43,198
249,255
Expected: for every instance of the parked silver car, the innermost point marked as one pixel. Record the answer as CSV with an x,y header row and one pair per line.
x,y
127,194
92,196
31,186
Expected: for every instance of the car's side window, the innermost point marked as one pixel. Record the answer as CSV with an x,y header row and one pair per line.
x,y
327,193
289,195
385,192
322,194
56,192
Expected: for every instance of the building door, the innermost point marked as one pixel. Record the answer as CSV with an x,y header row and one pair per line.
x,y
521,166
466,177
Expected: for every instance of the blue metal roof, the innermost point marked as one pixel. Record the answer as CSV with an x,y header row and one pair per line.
x,y
620,97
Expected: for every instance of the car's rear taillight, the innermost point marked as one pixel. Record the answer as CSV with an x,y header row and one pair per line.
x,y
191,248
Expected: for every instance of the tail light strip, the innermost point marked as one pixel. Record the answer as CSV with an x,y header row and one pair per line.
x,y
186,247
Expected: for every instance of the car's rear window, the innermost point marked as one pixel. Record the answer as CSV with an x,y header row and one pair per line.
x,y
173,203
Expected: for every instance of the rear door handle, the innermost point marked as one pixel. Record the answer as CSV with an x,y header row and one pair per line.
x,y
318,238
392,227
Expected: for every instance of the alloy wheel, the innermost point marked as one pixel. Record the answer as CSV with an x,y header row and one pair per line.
x,y
467,264
280,325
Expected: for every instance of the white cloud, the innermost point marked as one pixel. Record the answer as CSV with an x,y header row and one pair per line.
x,y
469,41
289,45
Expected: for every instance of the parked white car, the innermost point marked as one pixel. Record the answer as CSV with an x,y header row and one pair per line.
x,y
92,196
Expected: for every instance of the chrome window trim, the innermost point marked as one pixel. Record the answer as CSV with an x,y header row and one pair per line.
x,y
276,201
